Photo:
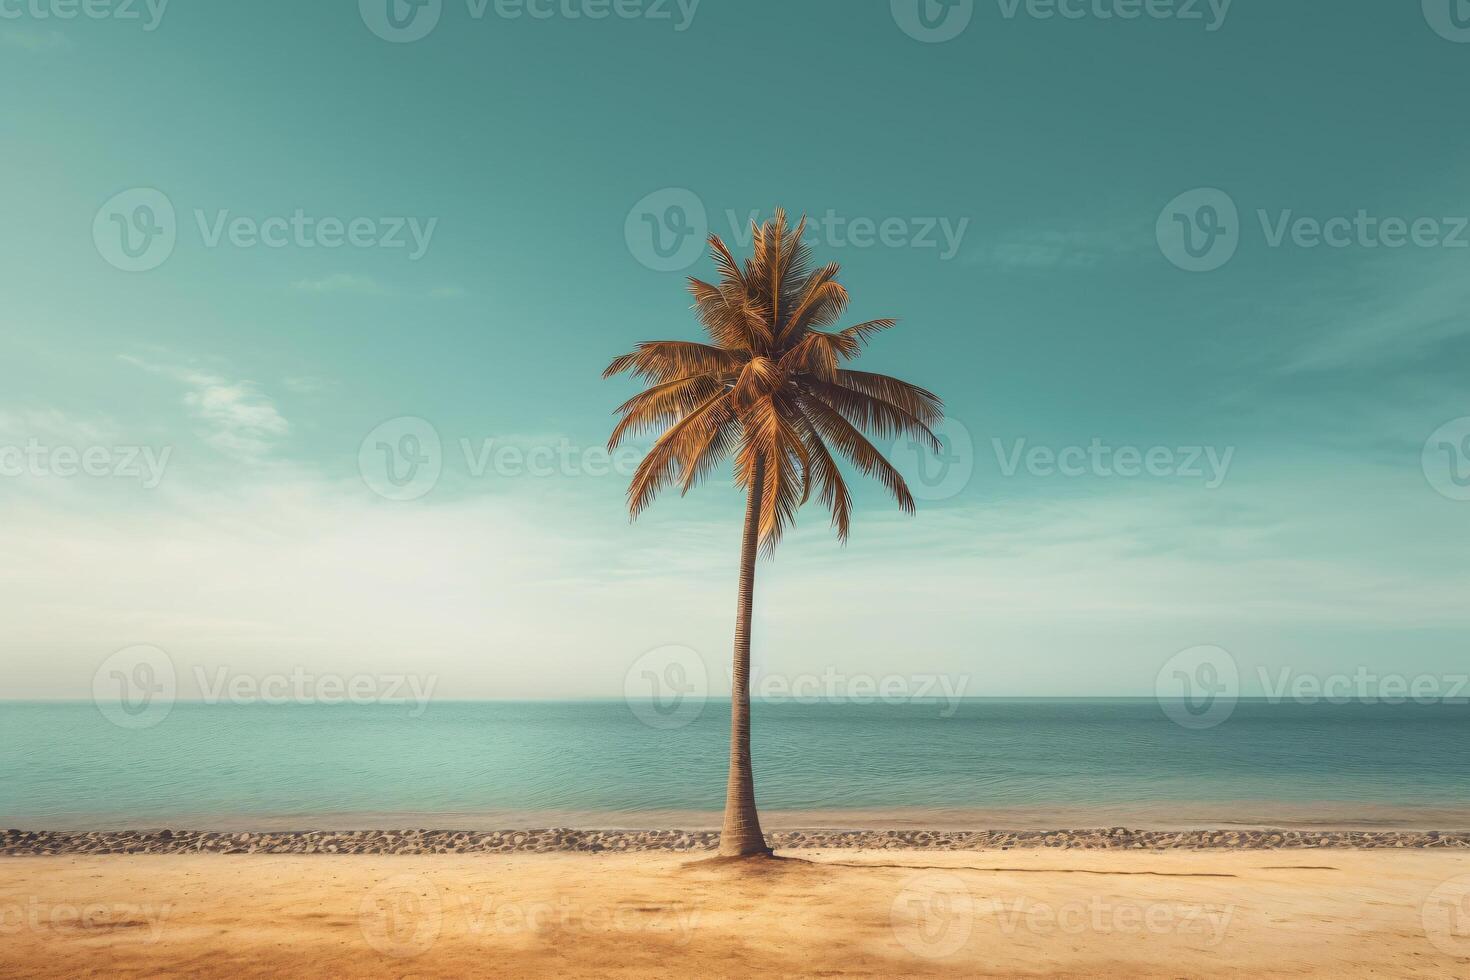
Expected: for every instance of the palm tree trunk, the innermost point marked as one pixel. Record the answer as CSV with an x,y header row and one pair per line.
x,y
741,835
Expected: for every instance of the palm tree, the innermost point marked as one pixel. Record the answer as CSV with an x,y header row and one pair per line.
x,y
769,388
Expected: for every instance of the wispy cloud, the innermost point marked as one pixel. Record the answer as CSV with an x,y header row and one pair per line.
x,y
1075,596
307,384
341,282
38,41
1394,310
362,285
55,426
238,418
1060,249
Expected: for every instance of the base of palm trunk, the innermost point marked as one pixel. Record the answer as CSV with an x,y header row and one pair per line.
x,y
740,832
744,847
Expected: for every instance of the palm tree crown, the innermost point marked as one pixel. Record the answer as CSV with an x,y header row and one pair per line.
x,y
769,388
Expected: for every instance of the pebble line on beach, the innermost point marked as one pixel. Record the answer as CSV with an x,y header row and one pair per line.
x,y
21,843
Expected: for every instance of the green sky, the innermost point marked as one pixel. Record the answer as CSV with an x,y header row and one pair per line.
x,y
458,228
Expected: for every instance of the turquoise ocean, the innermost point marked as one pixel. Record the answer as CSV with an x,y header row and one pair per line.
x,y
485,765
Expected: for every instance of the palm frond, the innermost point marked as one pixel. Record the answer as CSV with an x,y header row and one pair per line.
x,y
883,419
918,402
724,437
817,355
824,471
725,317
862,331
770,389
859,451
666,360
758,378
771,439
664,404
684,441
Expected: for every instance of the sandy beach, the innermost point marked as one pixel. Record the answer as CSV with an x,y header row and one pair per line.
x,y
1028,912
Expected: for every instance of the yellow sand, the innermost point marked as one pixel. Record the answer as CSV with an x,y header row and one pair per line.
x,y
888,913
